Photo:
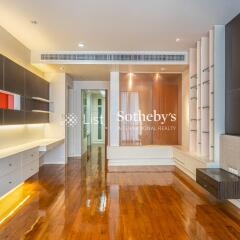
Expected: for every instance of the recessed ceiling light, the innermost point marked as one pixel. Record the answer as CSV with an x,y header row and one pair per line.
x,y
61,68
81,45
163,69
178,39
34,22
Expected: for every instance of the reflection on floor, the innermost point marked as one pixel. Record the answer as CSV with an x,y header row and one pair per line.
x,y
80,202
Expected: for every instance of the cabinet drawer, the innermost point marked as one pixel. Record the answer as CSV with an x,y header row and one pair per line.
x,y
10,181
30,156
10,164
214,190
30,169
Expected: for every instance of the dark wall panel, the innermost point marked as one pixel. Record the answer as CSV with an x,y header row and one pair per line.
x,y
12,117
1,116
13,77
16,79
233,77
36,87
1,72
36,117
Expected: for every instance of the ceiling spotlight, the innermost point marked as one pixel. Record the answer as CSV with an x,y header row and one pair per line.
x,y
34,22
81,45
177,39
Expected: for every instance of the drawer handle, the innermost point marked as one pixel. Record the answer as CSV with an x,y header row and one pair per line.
x,y
205,185
31,169
10,182
32,155
9,164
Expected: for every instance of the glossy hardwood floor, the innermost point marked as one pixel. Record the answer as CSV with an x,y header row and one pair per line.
x,y
80,202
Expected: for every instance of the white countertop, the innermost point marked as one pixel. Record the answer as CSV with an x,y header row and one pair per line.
x,y
42,144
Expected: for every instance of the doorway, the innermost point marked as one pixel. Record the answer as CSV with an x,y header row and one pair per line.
x,y
93,121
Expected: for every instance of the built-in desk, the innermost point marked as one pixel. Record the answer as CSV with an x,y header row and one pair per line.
x,y
20,162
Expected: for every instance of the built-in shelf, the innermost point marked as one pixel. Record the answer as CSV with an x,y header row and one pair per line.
x,y
41,111
194,76
205,82
206,69
41,99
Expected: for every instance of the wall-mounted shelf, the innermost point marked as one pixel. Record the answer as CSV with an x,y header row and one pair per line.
x,y
41,111
205,69
194,76
41,99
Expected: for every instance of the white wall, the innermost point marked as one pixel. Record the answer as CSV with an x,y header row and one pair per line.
x,y
16,51
114,108
75,147
56,128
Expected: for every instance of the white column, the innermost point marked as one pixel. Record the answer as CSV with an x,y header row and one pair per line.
x,y
219,87
114,108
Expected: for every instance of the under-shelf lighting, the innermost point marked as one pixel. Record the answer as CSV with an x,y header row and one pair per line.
x,y
14,210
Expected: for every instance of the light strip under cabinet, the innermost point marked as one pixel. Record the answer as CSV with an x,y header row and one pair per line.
x,y
41,99
41,111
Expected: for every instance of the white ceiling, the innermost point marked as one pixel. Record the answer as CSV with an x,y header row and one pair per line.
x,y
113,24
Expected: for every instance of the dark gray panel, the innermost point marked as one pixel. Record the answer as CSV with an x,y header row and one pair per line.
x,y
1,72
233,77
12,117
36,117
13,77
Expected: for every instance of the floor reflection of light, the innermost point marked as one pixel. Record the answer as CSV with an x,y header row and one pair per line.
x,y
88,203
103,202
14,210
11,191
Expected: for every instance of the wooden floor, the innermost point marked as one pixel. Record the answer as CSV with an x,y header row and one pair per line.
x,y
80,202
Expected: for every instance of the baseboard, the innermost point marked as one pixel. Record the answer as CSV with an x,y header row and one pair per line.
x,y
140,162
135,169
50,163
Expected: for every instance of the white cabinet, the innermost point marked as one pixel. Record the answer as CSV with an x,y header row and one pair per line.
x,y
9,164
29,156
10,181
29,170
18,168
